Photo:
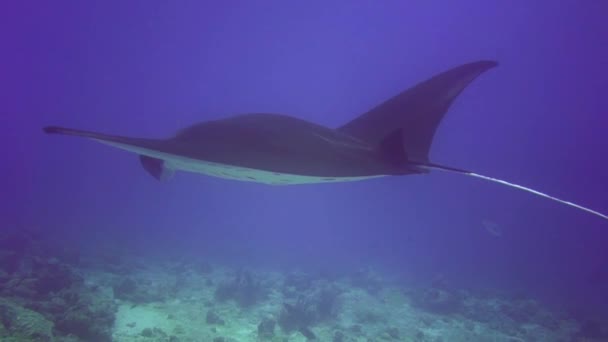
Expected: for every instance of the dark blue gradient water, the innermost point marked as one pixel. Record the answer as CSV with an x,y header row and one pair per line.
x,y
149,68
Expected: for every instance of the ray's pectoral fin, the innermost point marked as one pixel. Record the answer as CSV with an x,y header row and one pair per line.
x,y
417,111
156,167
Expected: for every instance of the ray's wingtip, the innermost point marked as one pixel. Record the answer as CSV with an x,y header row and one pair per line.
x,y
52,130
49,129
486,63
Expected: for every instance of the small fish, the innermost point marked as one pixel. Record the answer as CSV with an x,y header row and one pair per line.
x,y
492,228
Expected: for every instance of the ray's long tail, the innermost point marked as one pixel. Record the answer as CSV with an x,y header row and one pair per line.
x,y
432,166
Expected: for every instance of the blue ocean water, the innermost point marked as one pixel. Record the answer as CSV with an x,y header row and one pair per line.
x,y
437,257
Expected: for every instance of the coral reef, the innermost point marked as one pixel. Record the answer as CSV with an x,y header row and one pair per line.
x,y
317,305
45,297
50,294
266,329
214,319
438,300
367,279
243,289
593,330
21,324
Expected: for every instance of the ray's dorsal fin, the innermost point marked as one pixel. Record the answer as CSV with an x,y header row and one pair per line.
x,y
432,166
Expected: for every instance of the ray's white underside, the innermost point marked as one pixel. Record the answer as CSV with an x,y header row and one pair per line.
x,y
174,162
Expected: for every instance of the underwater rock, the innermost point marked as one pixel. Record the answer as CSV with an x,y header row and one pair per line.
x,y
52,292
22,246
327,302
521,311
91,319
266,328
147,332
468,325
295,316
156,333
369,317
14,245
310,336
530,311
4,278
243,289
39,280
299,281
367,279
593,330
357,329
21,324
438,301
223,339
338,337
204,267
309,309
68,255
128,289
125,289
393,332
79,325
508,315
213,319
54,305
111,260
52,276
10,261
